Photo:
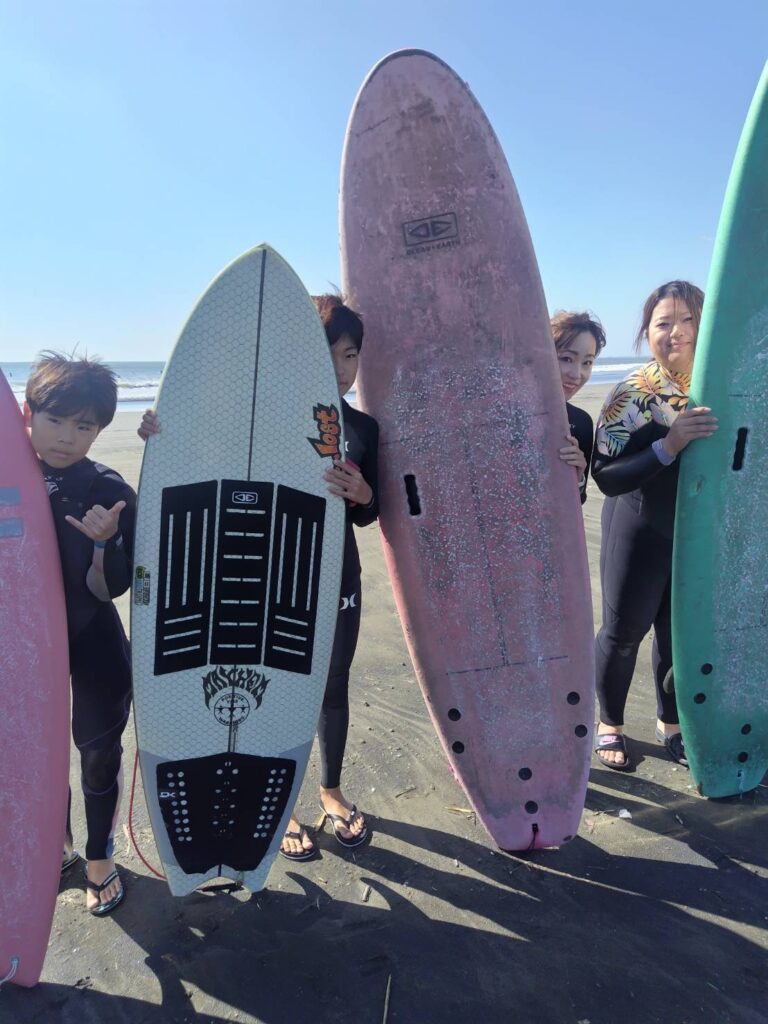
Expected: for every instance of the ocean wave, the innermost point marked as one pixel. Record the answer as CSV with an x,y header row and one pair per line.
x,y
615,367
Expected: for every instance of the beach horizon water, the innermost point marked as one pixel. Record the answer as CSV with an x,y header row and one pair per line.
x,y
138,382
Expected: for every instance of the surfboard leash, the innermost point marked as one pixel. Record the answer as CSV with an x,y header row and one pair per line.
x,y
234,885
15,961
141,856
534,833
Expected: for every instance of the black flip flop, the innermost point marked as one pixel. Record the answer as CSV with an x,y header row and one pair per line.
x,y
613,741
339,821
305,854
674,746
101,909
68,859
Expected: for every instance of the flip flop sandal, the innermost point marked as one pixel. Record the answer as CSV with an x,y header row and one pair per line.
x,y
105,908
674,746
338,821
68,859
613,741
305,854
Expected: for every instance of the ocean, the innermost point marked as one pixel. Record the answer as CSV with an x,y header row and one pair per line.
x,y
137,383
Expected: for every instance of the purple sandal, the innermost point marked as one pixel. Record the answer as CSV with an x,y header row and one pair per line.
x,y
613,741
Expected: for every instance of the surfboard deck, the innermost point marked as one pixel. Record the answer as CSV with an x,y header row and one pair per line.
x,y
237,573
34,704
720,572
481,522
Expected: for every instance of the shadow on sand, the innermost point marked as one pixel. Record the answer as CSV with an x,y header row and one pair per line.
x,y
582,933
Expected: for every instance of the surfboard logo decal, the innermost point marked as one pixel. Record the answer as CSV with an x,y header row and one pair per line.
x,y
244,497
251,682
11,528
440,231
142,591
329,428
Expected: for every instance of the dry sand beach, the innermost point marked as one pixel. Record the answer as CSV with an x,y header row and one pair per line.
x,y
657,913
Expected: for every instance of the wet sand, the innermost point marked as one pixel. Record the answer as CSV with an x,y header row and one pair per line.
x,y
658,917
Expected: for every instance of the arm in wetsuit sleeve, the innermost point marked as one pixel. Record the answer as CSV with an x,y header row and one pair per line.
x,y
364,515
625,473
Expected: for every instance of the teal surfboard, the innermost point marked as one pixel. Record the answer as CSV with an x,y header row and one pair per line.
x,y
720,570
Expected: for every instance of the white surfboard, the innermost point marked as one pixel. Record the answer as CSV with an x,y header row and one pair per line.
x,y
237,572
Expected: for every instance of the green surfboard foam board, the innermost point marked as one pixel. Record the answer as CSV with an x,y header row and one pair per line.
x,y
720,564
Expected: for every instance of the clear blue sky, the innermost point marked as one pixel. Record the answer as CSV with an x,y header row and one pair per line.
x,y
146,143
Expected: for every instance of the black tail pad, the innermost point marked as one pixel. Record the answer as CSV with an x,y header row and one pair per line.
x,y
223,809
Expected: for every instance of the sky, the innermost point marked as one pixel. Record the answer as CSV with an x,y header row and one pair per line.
x,y
144,144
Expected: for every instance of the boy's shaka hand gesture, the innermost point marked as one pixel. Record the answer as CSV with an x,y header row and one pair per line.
x,y
99,523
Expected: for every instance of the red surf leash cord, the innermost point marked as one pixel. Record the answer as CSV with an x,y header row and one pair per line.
x,y
142,858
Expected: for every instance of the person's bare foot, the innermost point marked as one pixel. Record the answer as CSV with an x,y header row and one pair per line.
x,y
334,802
69,855
296,842
668,730
672,739
617,757
98,871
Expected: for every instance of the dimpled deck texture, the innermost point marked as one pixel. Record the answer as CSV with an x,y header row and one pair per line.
x,y
224,734
720,575
487,556
34,703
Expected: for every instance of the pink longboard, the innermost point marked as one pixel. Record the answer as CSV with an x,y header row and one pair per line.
x,y
481,522
34,704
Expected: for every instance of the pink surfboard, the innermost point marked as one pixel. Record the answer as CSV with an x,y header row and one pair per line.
x,y
34,704
481,522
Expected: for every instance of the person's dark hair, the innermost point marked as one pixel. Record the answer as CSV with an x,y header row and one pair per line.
x,y
692,296
566,326
339,319
65,386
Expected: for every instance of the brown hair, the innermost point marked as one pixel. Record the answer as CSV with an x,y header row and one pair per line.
x,y
339,319
65,386
684,291
566,326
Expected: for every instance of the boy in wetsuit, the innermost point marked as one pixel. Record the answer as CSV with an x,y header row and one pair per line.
x,y
355,481
69,401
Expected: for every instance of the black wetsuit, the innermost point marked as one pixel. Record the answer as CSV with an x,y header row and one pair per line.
x,y
635,570
362,445
98,649
582,429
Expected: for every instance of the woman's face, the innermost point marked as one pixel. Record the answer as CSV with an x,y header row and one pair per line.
x,y
575,362
672,335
